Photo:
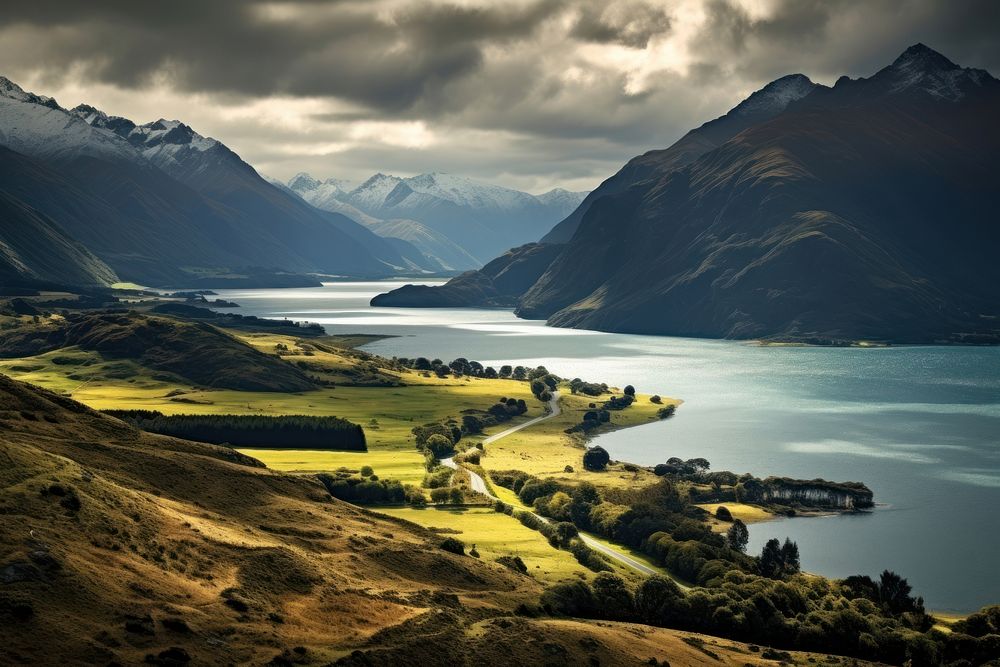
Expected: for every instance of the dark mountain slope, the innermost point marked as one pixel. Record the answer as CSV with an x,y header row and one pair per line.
x,y
765,103
164,205
866,211
498,284
471,289
33,247
212,169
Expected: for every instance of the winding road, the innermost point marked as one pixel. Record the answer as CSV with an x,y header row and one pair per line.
x,y
478,485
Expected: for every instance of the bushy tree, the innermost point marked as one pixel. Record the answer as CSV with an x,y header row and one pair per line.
x,y
738,536
453,545
629,390
612,597
506,371
439,446
596,459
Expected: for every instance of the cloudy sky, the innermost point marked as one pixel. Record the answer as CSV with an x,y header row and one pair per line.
x,y
531,94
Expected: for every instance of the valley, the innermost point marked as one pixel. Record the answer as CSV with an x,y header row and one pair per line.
x,y
470,333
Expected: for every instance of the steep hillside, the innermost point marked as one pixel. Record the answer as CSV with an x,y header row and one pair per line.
x,y
175,205
765,103
498,284
120,547
33,247
861,212
195,351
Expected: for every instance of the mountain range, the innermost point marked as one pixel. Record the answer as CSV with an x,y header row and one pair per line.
x,y
159,204
458,221
861,211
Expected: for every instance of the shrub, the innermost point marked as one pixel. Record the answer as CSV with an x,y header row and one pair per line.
x,y
596,459
439,445
722,513
453,545
655,398
666,412
367,471
440,496
568,468
513,562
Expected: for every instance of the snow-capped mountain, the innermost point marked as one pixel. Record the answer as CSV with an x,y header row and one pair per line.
x,y
36,125
162,204
481,218
775,96
921,70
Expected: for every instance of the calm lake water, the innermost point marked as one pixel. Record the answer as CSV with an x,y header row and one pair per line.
x,y
919,425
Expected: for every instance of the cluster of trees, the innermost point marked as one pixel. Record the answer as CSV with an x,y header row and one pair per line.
x,y
620,402
292,431
437,440
592,419
681,468
503,410
578,386
762,599
364,490
778,560
800,613
543,383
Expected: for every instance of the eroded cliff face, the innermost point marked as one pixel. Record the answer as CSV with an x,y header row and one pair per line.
x,y
817,493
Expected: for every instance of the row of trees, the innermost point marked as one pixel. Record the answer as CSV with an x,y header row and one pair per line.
x,y
291,431
464,367
801,613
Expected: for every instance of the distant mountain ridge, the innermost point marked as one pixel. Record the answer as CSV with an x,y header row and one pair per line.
x,y
160,204
445,211
862,211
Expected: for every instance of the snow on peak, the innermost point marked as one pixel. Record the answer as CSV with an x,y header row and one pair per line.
x,y
776,96
922,68
303,182
168,136
12,91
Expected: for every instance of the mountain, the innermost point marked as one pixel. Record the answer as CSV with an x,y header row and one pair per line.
x,y
863,211
763,104
328,195
453,212
859,212
160,204
496,285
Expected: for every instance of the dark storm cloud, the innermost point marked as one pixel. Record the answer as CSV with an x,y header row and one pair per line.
x,y
387,59
571,88
827,38
629,24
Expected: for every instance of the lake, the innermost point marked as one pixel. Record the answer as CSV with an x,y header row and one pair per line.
x,y
919,425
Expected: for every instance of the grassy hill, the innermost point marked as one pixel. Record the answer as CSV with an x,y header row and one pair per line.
x,y
194,351
122,547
